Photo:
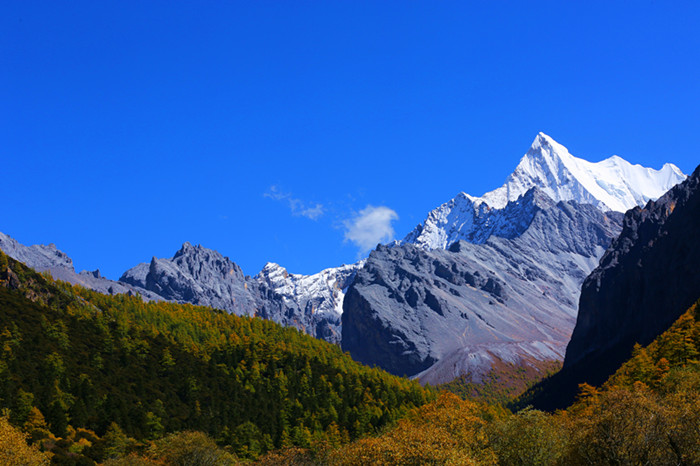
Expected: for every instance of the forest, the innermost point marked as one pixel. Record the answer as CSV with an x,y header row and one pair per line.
x,y
648,412
79,369
89,379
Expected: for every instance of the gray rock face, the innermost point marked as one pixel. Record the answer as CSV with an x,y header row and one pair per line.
x,y
197,275
507,296
647,278
38,256
314,302
50,259
645,281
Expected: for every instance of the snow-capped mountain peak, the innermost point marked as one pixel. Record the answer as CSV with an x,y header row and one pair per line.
x,y
611,184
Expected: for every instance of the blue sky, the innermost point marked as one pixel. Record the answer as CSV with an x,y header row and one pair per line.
x,y
290,131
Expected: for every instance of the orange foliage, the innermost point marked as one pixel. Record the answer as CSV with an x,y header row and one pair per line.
x,y
447,431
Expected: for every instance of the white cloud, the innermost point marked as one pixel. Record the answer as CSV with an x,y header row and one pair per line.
x,y
298,207
370,227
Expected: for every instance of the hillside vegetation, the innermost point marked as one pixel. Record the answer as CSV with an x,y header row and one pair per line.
x,y
88,378
504,382
91,376
648,412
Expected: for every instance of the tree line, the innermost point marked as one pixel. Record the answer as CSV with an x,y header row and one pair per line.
x,y
73,360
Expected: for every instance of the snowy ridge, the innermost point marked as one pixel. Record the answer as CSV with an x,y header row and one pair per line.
x,y
312,303
320,293
612,184
465,218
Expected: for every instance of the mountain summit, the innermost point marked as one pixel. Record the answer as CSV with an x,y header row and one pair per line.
x,y
612,184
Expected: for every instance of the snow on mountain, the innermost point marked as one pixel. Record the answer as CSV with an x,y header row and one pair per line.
x,y
441,313
612,184
313,303
197,275
320,293
464,218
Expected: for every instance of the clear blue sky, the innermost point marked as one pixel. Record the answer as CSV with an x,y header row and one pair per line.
x,y
262,129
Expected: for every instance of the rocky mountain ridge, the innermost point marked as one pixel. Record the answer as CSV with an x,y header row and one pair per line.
x,y
612,184
644,282
510,268
47,258
198,275
202,276
444,313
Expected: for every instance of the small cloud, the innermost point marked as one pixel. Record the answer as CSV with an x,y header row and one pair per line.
x,y
370,227
312,212
298,207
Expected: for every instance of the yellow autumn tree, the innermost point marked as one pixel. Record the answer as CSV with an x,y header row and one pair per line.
x,y
622,426
447,431
191,449
529,437
14,450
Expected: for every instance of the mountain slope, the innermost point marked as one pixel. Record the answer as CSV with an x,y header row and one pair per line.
x,y
39,256
87,360
676,348
647,278
612,184
645,281
197,275
315,301
646,413
44,258
457,311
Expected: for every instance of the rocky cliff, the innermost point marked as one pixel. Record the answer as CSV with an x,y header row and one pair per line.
x,y
645,281
508,297
195,274
647,278
48,258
